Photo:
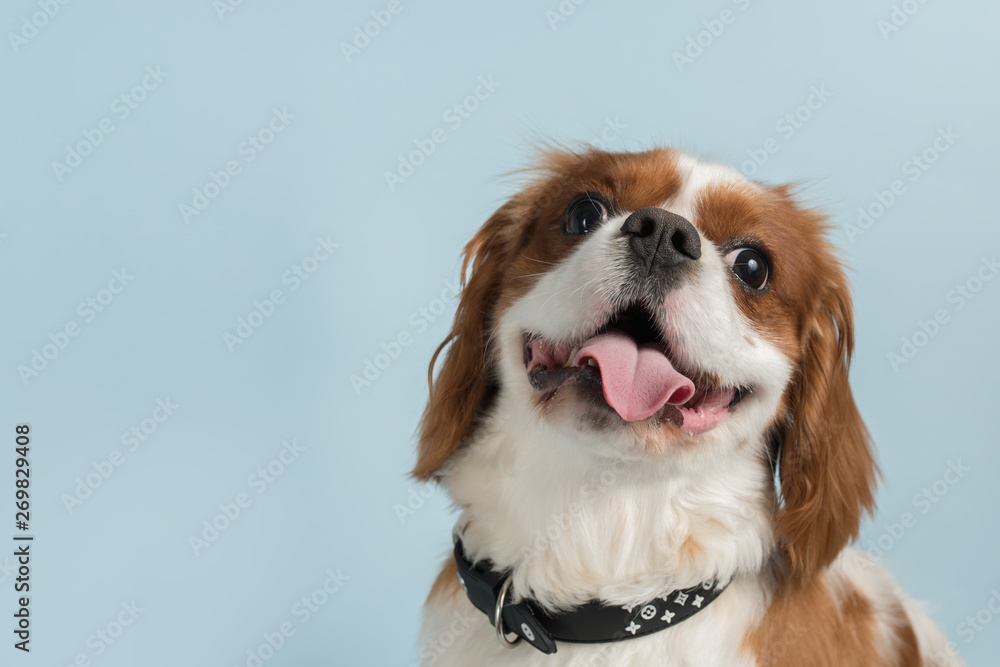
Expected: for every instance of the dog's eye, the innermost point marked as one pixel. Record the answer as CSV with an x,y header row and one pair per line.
x,y
585,215
749,266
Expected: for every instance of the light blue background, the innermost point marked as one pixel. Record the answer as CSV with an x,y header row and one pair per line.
x,y
335,507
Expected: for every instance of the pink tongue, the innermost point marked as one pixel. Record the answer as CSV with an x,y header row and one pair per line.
x,y
638,380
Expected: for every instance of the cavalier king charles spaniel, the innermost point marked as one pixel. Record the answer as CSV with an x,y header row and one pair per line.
x,y
644,417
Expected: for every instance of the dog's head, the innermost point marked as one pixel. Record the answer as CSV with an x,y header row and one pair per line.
x,y
650,303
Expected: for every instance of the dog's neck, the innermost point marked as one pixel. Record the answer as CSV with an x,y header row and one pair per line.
x,y
574,523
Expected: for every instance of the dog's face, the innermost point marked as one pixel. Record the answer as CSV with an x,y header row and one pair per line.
x,y
648,302
662,314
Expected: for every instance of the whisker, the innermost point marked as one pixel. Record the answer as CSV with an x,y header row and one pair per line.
x,y
590,282
535,259
550,299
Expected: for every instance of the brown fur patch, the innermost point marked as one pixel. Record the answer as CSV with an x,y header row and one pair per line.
x,y
806,625
906,640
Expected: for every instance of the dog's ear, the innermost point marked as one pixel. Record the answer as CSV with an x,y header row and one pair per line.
x,y
464,385
827,468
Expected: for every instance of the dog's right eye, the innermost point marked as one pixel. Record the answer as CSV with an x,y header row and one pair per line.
x,y
584,215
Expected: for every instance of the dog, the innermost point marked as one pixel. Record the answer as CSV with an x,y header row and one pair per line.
x,y
644,418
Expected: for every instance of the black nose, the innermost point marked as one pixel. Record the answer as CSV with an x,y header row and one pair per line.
x,y
661,239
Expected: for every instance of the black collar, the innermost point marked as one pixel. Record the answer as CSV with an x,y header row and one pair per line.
x,y
591,623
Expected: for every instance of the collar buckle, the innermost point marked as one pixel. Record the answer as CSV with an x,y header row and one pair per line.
x,y
498,618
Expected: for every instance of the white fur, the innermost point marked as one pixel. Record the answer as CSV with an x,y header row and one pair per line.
x,y
580,514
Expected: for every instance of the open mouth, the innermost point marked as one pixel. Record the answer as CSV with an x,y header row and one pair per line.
x,y
639,378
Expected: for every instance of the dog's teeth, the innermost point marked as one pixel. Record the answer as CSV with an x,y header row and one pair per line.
x,y
570,361
592,362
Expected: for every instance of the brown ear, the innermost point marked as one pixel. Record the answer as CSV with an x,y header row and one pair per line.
x,y
463,387
827,470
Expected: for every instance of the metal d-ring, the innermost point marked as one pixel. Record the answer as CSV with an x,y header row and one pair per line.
x,y
498,618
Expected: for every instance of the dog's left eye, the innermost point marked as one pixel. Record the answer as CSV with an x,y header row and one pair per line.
x,y
750,267
585,215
